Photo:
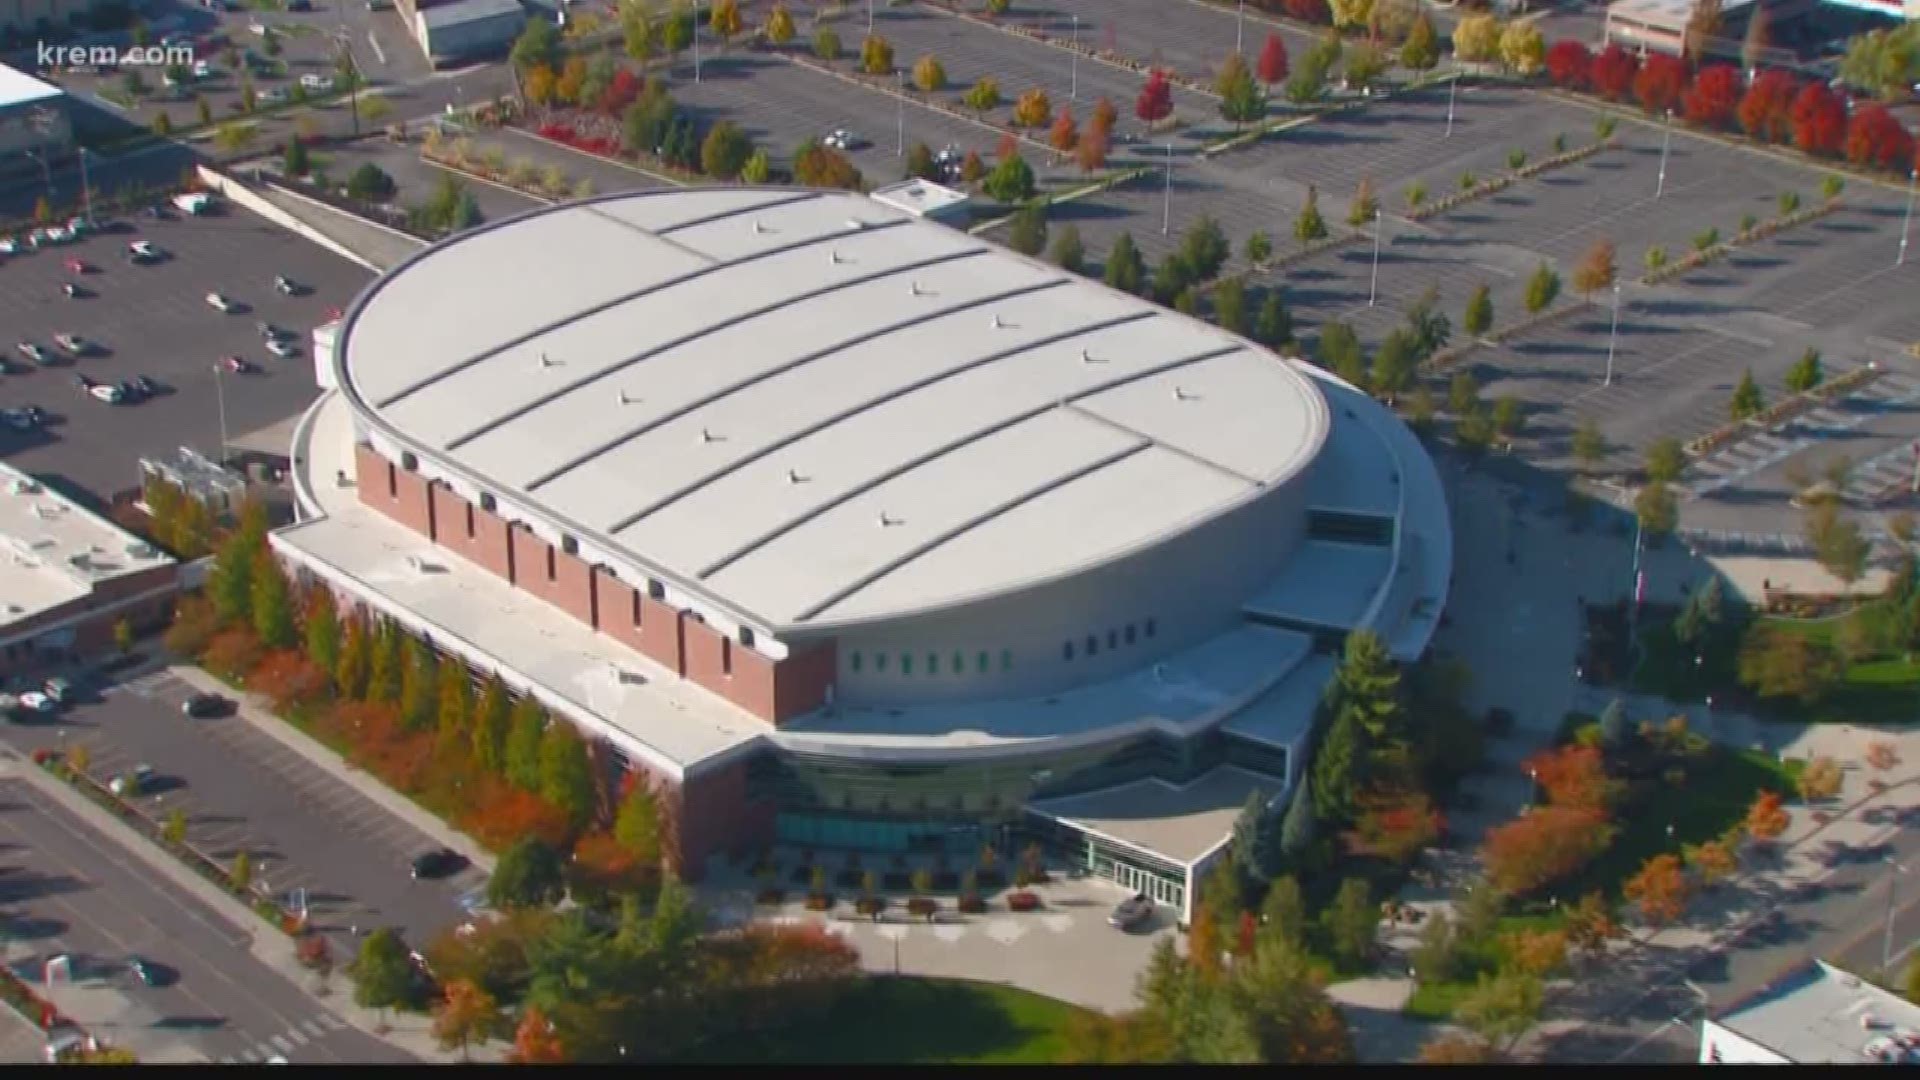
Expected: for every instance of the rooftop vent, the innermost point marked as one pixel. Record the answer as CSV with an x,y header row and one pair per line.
x,y
888,522
1180,394
707,436
794,477
913,289
23,486
997,324
835,256
855,223
759,227
627,399
1087,357
547,361
139,549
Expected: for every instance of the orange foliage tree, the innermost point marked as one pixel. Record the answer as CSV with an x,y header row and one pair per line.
x,y
1766,818
1660,890
1545,846
535,1042
1574,777
1590,924
1539,953
501,814
1458,1048
232,653
1398,828
1065,133
1712,861
288,679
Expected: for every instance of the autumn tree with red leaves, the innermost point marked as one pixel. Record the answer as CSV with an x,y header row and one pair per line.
x,y
1549,844
535,1042
1766,818
1272,67
1574,778
1876,137
1660,890
1713,97
1766,109
1613,72
1819,119
1064,135
1570,65
1661,81
1155,102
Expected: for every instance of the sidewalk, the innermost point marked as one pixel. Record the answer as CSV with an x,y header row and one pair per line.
x,y
411,1033
255,711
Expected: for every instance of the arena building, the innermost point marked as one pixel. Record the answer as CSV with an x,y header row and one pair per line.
x,y
849,529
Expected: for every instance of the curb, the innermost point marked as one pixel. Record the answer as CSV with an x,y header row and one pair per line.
x,y
629,166
456,170
320,756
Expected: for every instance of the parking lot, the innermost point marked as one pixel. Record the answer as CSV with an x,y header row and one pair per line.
x,y
1190,38
243,790
72,890
154,320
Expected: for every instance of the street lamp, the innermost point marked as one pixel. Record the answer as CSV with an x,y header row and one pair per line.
x,y
1166,209
1453,85
696,40
1906,223
1886,937
900,118
1666,144
1073,63
1613,334
869,18
1373,285
1239,25
220,400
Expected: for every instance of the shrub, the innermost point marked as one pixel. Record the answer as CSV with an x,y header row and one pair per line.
x,y
314,953
972,905
923,906
819,901
870,905
771,897
1023,901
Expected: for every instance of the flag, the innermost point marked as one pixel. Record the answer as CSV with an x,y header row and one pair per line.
x,y
1639,587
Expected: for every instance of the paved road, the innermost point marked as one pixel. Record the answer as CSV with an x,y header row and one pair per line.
x,y
242,790
72,889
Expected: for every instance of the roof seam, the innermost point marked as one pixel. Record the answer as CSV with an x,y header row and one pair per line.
x,y
650,234
625,298
668,346
707,219
950,446
960,528
1189,455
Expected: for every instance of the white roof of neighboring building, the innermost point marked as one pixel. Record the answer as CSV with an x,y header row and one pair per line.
x,y
1665,13
1823,1015
441,16
19,88
919,197
815,410
53,551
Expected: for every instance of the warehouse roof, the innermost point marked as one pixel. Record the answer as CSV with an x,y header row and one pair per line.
x,y
54,551
813,409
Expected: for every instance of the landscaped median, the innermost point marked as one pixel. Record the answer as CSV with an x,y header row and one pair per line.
x,y
821,888
1782,411
60,764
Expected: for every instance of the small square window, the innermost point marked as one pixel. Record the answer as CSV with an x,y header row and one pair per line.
x,y
1129,634
906,663
933,663
746,636
656,590
1150,627
1006,659
487,502
409,462
879,661
569,545
984,662
959,663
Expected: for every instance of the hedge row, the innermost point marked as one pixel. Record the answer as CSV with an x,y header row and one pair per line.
x,y
1694,260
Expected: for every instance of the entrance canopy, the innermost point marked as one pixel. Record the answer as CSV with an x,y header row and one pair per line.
x,y
1180,824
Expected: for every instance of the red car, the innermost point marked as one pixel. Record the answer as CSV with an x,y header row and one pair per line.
x,y
78,266
237,365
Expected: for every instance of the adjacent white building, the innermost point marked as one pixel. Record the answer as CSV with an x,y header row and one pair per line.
x,y
1817,1015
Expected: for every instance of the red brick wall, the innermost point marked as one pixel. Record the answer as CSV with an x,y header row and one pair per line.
x,y
708,652
714,816
802,680
486,547
393,491
569,588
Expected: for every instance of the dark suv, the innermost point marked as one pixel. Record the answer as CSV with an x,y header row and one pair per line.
x,y
438,863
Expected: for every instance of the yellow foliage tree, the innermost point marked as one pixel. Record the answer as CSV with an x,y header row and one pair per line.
x,y
1522,48
1476,38
1033,109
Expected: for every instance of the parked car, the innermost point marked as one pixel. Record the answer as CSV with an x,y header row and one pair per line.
x,y
1132,912
146,387
317,84
35,353
60,690
270,332
73,343
9,246
205,706
221,302
843,139
110,393
19,419
131,392
438,863
286,286
71,291
79,266
141,251
142,971
238,365
282,348
36,702
128,785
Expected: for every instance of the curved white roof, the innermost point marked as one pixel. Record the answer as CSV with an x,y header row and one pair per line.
x,y
812,409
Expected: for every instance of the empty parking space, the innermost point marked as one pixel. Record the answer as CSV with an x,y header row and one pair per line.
x,y
1192,39
154,320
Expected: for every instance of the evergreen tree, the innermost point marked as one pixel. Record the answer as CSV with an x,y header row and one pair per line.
x,y
566,773
384,674
351,671
920,163
1125,270
455,710
419,686
1806,372
522,757
271,606
1310,225
1230,306
491,717
297,163
322,632
529,874
637,824
1253,842
1297,827
1274,327
1368,685
1028,233
1069,253
230,583
1336,770
1747,399
1478,318
1284,911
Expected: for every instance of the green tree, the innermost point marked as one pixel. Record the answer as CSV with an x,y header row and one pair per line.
x,y
1478,318
1336,770
1028,232
1747,399
492,718
723,16
1284,911
1187,301
1255,851
566,773
1543,288
1259,248
271,607
175,829
295,162
1665,458
1338,350
1806,372
876,55
522,751
1068,252
1011,181
537,46
1656,509
454,713
637,824
725,151
637,32
1274,326
240,873
1589,445
1204,248
352,671
529,874
419,686
983,96
1428,325
230,582
1125,269
920,163
1240,98
382,973
1508,416
1230,306
677,29
758,169
369,183
1394,365
1352,923
1421,50
322,632
1463,393
1502,1008
779,29
270,42
1310,226
826,44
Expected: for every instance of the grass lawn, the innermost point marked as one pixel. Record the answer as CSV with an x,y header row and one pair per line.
x,y
1878,691
908,1021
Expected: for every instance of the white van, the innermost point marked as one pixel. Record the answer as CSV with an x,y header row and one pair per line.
x,y
193,202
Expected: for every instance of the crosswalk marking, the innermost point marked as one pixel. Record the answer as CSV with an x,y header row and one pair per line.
x,y
251,1056
280,1043
299,1037
332,1022
313,1028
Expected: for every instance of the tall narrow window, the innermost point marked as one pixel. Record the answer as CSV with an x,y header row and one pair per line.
x,y
1093,645
933,663
634,598
959,662
655,590
879,661
906,663
1129,634
1150,627
1113,639
1066,651
552,565
853,661
1006,659
984,662
746,636
469,521
569,545
487,503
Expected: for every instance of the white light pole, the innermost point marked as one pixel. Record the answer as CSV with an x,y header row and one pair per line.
x,y
1886,937
1373,286
900,118
220,399
1906,223
1073,86
86,200
1666,143
1453,85
1613,335
869,18
1166,209
696,48
1239,25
